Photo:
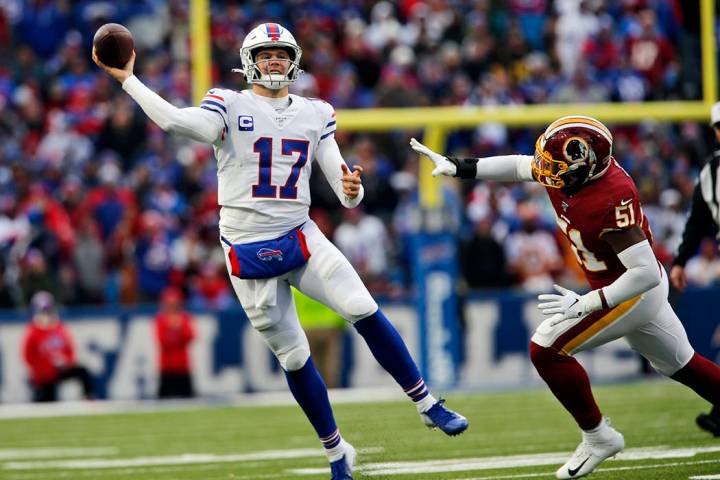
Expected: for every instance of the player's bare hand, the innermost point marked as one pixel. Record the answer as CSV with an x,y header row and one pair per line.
x,y
443,166
351,181
119,74
678,277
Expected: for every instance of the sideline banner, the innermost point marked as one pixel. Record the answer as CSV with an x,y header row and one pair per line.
x,y
434,262
228,356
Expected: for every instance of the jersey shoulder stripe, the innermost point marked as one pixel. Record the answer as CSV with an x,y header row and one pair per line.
x,y
213,103
205,107
217,94
327,114
215,100
325,135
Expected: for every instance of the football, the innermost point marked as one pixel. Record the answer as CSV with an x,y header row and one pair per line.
x,y
113,44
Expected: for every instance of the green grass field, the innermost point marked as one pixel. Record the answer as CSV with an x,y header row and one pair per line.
x,y
512,435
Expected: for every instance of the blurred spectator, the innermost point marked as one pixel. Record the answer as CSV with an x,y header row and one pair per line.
x,y
89,262
123,132
49,353
7,299
35,276
174,331
580,89
14,226
61,146
209,289
324,329
75,151
704,268
667,220
152,256
651,54
379,196
540,79
482,258
384,27
51,18
51,229
532,252
628,84
601,50
109,203
575,23
532,17
364,241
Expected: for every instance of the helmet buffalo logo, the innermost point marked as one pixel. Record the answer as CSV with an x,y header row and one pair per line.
x,y
268,254
575,149
273,30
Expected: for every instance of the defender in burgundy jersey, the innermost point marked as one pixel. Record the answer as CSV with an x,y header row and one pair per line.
x,y
598,209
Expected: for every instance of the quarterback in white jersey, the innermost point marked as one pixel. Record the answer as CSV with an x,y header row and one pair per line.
x,y
265,142
265,161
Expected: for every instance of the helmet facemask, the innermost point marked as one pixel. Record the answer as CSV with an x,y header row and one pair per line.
x,y
263,37
576,168
273,81
546,169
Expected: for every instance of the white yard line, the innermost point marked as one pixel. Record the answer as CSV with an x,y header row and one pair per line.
x,y
144,472
42,452
185,459
510,461
263,399
131,466
612,469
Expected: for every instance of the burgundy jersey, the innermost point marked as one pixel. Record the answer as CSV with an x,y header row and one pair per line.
x,y
609,203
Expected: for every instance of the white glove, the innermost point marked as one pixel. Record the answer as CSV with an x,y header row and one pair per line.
x,y
568,305
443,166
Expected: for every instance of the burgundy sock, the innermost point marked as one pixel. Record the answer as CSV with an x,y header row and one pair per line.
x,y
569,383
703,376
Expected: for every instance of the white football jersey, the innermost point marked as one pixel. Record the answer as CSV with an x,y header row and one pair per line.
x,y
265,158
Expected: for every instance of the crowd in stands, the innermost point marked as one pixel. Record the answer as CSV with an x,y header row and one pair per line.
x,y
98,205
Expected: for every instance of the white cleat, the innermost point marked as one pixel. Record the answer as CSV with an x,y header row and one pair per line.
x,y
591,452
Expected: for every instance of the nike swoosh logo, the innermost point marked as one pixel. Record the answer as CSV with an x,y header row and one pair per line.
x,y
573,471
625,202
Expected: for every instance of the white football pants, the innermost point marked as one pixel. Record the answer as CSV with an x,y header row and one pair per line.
x,y
327,277
647,322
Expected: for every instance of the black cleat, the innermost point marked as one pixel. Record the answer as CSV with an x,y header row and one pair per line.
x,y
710,422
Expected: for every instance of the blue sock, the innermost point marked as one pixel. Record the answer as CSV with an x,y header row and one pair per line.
x,y
390,351
309,390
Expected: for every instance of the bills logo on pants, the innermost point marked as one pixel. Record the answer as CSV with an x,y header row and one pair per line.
x,y
268,254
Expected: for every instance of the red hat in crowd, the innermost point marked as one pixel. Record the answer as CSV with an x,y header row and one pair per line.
x,y
171,295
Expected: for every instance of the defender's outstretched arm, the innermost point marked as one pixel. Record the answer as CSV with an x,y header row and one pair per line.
x,y
503,168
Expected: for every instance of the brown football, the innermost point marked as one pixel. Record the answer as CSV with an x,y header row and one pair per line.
x,y
113,44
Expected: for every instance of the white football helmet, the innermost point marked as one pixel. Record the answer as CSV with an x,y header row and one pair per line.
x,y
269,35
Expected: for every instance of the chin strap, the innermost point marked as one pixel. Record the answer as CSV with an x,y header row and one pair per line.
x,y
466,167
